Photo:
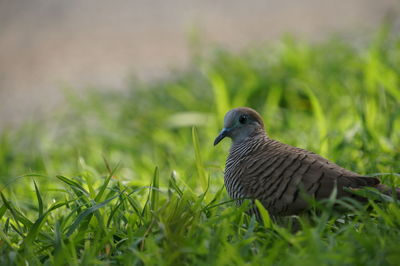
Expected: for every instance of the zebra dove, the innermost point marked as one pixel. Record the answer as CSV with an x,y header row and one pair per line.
x,y
277,174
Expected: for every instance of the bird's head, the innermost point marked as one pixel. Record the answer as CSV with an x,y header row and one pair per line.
x,y
240,123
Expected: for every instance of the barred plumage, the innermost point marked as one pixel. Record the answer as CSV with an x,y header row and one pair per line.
x,y
277,174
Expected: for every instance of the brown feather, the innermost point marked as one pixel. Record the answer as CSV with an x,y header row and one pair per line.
x,y
277,174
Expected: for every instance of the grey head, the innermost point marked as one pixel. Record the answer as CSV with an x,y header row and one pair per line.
x,y
240,123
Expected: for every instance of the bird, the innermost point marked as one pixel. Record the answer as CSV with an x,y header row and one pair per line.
x,y
279,175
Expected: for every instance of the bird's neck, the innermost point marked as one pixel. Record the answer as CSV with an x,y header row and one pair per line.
x,y
248,144
257,134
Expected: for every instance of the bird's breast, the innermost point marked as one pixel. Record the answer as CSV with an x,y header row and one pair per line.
x,y
233,176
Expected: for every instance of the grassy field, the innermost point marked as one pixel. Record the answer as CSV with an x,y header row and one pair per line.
x,y
132,178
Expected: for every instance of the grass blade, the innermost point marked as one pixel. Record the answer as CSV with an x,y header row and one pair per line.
x,y
154,190
106,181
87,212
3,210
76,187
39,199
264,215
18,216
321,120
199,162
221,94
34,229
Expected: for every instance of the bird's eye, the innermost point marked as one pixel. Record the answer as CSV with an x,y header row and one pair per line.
x,y
243,119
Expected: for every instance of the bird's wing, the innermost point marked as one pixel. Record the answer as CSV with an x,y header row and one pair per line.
x,y
278,173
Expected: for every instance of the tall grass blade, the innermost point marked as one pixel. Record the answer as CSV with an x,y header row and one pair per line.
x,y
199,162
320,119
221,94
39,199
106,181
155,190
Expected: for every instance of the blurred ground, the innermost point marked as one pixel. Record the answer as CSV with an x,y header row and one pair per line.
x,y
47,45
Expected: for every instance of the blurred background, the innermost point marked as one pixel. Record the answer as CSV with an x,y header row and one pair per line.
x,y
50,45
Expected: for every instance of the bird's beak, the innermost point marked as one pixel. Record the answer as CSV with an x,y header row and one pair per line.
x,y
221,135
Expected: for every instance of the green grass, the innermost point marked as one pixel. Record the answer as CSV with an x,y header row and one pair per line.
x,y
133,178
